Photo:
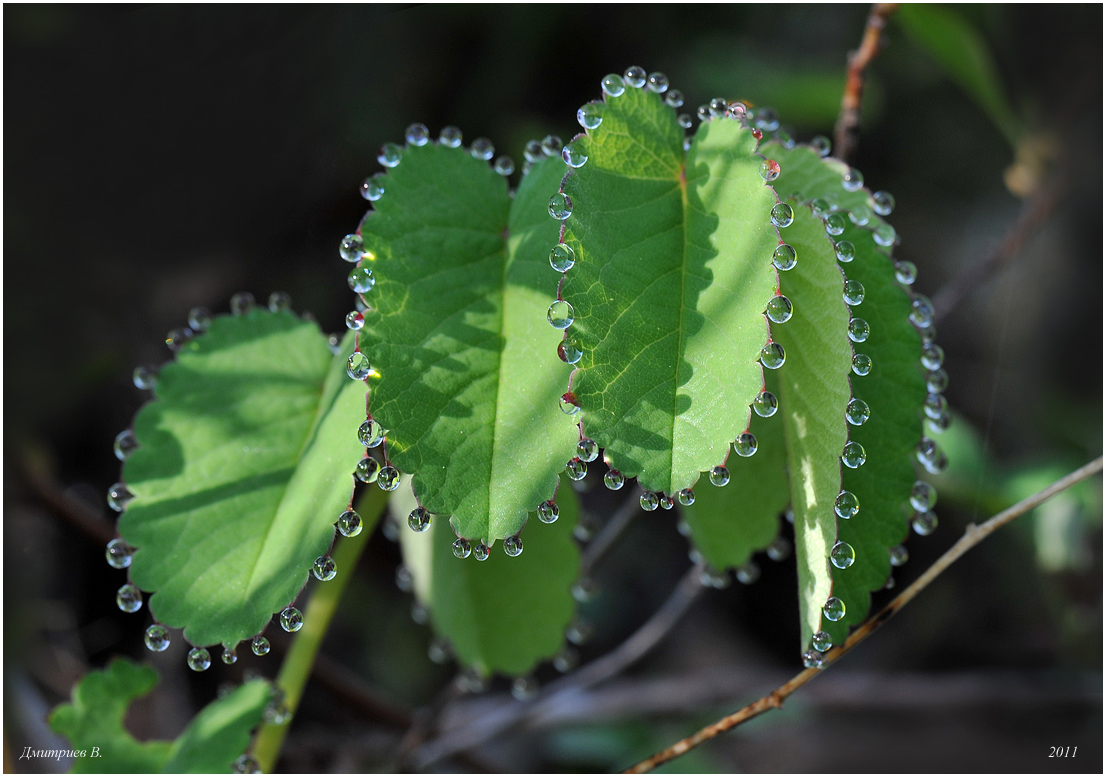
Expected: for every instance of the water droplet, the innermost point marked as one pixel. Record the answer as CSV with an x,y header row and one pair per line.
x,y
569,404
784,257
612,84
291,619
276,713
128,598
584,590
789,515
769,170
450,137
419,519
683,528
156,638
814,660
932,356
481,551
560,314
923,496
405,579
589,116
925,523
765,404
857,412
279,302
821,145
119,553
199,659
145,377
884,235
440,651
712,579
860,215
417,135
940,424
858,330
897,555
125,443
937,381
772,355
367,470
781,215
119,496
390,155
372,188
834,609
883,202
388,478
548,512
718,107
199,319
862,364
419,613
562,258
569,350
649,501
504,165
242,303
820,207
738,111
906,272
561,206
779,550
370,433
853,292
821,641
247,765
785,138
349,524
685,121
614,480
355,320
259,645
566,659
573,154
927,335
852,180
576,469
675,99
665,501
748,573
461,548
357,366
324,568
853,455
361,279
842,555
779,309
835,224
719,476
230,656
766,119
636,77
526,687
846,505
482,149
745,445
177,338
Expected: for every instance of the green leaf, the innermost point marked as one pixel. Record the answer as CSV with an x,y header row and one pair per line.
x,y
502,614
814,390
243,467
674,267
965,56
214,739
469,383
732,522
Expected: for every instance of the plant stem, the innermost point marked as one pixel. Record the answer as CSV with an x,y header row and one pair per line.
x,y
298,662
775,699
849,118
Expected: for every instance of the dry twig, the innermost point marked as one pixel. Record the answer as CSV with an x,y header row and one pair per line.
x,y
846,130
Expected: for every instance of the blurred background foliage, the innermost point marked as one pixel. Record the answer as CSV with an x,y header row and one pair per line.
x,y
162,157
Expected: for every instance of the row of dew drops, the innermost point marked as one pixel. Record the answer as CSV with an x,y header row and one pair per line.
x,y
120,554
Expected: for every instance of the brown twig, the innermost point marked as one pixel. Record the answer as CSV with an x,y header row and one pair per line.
x,y
846,130
1033,215
611,532
775,699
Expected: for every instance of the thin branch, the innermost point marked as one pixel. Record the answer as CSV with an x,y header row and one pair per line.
x,y
846,130
611,532
1033,216
72,511
775,699
505,717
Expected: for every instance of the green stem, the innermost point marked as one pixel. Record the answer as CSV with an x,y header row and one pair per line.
x,y
298,661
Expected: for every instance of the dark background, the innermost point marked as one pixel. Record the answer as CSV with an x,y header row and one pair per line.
x,y
162,157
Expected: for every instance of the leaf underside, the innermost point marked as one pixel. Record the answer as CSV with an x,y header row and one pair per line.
x,y
674,268
502,614
469,381
243,467
211,743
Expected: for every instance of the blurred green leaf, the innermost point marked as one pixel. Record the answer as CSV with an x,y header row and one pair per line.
x,y
965,56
